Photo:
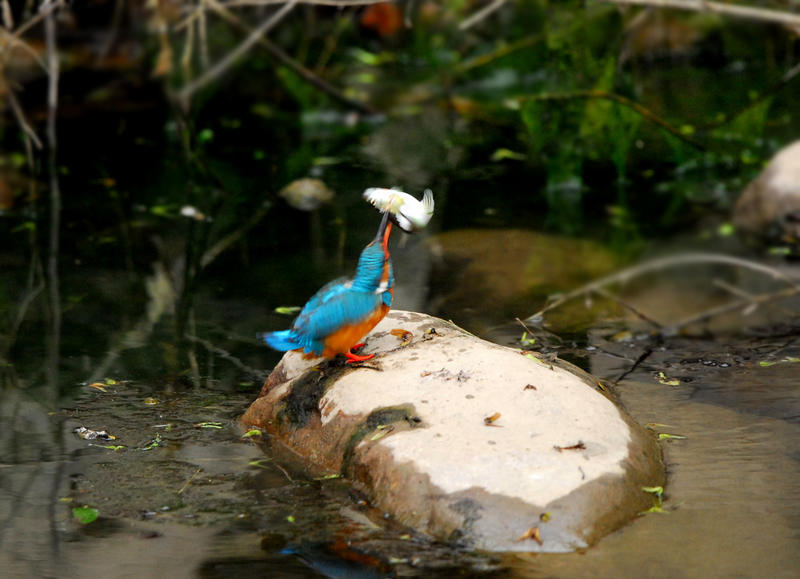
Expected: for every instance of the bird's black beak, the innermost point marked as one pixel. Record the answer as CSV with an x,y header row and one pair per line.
x,y
382,227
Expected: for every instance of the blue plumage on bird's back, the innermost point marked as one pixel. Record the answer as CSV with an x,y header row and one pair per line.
x,y
343,311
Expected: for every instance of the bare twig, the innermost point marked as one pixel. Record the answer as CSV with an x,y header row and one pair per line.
x,y
290,63
212,252
30,134
663,263
45,10
14,41
735,10
481,14
214,72
729,307
225,355
191,478
608,295
336,3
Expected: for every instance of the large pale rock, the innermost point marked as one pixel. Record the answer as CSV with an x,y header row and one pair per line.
x,y
769,207
414,436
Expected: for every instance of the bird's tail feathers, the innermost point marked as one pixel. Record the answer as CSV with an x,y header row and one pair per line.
x,y
282,341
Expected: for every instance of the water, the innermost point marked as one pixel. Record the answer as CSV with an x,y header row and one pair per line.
x,y
125,298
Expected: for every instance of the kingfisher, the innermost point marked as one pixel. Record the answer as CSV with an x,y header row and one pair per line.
x,y
343,311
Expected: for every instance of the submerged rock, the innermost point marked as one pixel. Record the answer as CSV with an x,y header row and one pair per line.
x,y
464,440
515,271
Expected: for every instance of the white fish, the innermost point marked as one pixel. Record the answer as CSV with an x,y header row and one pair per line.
x,y
409,212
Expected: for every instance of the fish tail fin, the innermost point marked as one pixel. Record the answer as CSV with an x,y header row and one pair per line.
x,y
282,341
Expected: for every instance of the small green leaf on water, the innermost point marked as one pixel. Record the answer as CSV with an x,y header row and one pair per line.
x,y
766,363
668,436
526,341
654,509
111,381
328,476
208,425
544,517
290,518
109,446
259,462
791,359
252,432
287,310
85,515
149,401
663,379
503,154
654,490
726,230
155,443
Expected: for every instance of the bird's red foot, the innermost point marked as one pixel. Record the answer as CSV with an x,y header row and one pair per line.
x,y
355,357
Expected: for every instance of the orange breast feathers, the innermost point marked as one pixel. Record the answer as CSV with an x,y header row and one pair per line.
x,y
348,336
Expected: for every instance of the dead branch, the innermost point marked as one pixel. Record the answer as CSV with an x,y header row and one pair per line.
x,y
335,3
221,67
673,261
734,10
673,329
481,14
290,63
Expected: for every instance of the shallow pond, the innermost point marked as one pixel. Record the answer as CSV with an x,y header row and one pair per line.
x,y
136,308
182,490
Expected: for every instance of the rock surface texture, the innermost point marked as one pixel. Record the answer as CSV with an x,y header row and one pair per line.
x,y
464,440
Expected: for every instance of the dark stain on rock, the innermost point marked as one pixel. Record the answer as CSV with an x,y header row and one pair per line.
x,y
302,401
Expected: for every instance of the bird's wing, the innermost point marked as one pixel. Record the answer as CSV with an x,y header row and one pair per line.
x,y
343,309
325,293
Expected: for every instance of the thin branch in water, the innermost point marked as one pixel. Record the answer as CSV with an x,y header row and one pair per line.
x,y
191,478
258,374
729,307
641,315
212,252
221,67
681,259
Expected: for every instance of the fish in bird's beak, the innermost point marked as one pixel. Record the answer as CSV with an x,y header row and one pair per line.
x,y
406,210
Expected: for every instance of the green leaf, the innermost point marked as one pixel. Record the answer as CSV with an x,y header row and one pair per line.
x,y
726,230
85,515
208,425
205,136
287,310
503,154
252,432
668,436
659,490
